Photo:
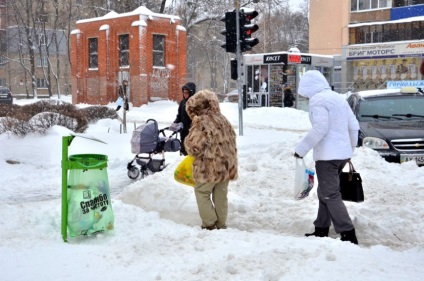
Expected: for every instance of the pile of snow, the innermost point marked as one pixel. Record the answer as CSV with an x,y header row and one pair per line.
x,y
157,233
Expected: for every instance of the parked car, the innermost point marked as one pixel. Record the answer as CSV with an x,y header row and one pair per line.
x,y
6,96
391,122
232,96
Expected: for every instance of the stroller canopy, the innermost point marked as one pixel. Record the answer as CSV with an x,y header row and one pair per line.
x,y
145,138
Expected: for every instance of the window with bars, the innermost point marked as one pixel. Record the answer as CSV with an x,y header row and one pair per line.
x,y
42,61
93,59
42,39
124,50
158,50
41,83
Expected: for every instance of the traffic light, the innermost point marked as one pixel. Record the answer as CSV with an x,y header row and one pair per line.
x,y
230,32
234,72
247,28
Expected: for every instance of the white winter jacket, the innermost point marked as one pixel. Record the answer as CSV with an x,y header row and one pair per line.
x,y
334,133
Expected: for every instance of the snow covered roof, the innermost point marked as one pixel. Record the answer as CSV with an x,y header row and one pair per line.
x,y
420,18
142,11
369,93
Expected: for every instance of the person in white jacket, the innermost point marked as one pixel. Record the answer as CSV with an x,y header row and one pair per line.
x,y
333,137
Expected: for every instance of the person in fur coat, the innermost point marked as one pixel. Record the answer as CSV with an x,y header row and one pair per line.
x,y
212,143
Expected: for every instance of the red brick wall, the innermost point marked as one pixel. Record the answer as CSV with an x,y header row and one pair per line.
x,y
98,86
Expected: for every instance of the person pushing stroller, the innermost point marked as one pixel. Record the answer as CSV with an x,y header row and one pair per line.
x,y
188,90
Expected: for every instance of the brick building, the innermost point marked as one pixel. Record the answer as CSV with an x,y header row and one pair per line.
x,y
147,49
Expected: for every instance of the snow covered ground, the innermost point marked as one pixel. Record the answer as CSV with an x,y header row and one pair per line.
x,y
157,234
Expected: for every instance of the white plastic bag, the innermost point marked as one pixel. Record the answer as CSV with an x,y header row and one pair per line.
x,y
119,101
303,179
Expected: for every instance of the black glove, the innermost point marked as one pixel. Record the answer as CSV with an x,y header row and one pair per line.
x,y
297,155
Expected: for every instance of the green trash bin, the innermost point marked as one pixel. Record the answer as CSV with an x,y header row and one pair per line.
x,y
89,206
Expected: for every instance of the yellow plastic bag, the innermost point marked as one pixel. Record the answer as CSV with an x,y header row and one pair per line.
x,y
184,172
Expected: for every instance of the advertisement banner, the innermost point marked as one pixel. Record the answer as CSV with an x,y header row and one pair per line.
x,y
409,83
373,73
385,50
275,58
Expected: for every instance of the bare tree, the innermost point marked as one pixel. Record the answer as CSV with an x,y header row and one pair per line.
x,y
53,20
279,29
27,33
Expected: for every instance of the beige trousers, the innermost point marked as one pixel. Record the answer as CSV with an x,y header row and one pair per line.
x,y
212,202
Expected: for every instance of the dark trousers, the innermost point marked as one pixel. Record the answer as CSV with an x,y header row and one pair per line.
x,y
126,107
183,135
331,208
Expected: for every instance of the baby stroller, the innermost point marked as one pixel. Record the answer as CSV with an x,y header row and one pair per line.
x,y
147,140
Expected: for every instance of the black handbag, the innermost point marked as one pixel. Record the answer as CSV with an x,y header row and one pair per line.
x,y
351,185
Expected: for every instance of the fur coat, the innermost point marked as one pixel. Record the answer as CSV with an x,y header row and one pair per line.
x,y
211,140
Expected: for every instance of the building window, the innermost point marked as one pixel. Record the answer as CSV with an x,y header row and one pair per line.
x,y
360,5
3,61
416,30
158,50
124,50
93,53
42,62
403,3
41,83
387,33
42,39
2,82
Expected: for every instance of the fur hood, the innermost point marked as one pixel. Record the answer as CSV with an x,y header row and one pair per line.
x,y
211,140
203,103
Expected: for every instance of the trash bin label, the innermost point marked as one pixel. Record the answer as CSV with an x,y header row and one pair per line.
x,y
99,201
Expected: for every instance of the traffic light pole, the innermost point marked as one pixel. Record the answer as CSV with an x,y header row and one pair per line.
x,y
239,68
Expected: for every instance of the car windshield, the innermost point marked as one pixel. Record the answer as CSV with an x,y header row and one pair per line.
x,y
391,108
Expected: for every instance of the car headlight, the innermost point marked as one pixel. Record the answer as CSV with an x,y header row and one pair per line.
x,y
375,143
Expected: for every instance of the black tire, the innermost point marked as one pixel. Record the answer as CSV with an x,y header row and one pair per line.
x,y
133,173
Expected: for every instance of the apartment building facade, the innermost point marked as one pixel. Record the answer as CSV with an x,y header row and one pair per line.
x,y
34,56
376,41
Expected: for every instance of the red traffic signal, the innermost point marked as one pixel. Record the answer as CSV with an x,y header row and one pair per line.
x,y
247,29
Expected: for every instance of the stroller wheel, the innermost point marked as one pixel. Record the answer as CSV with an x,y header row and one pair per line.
x,y
133,173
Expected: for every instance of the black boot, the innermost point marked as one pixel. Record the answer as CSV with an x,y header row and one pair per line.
x,y
349,236
319,232
212,227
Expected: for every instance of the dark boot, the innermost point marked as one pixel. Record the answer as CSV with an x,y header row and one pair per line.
x,y
349,236
212,227
319,232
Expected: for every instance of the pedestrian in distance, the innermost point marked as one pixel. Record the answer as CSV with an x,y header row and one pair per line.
x,y
212,143
333,138
188,90
122,96
288,97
